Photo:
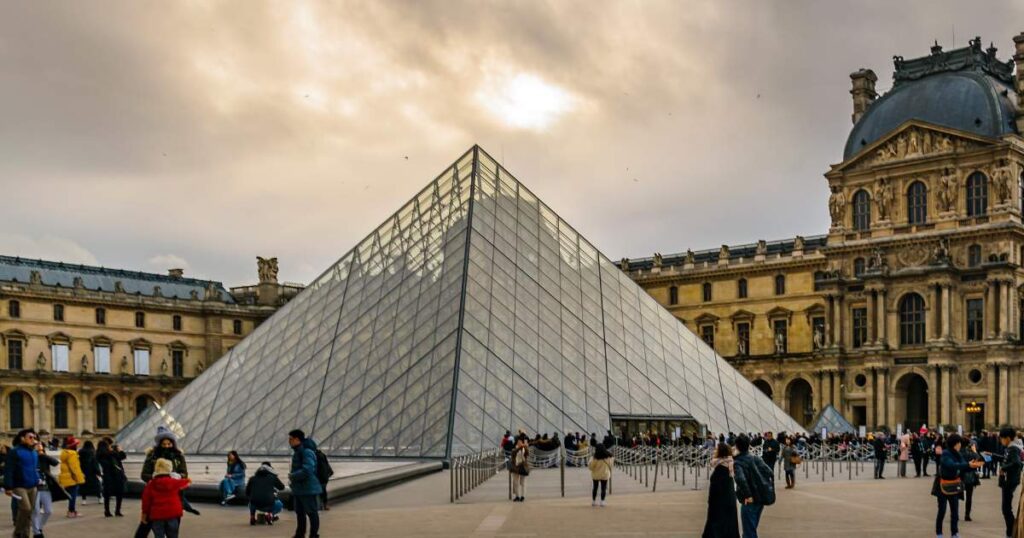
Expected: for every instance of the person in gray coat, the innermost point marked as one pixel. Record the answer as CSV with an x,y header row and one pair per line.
x,y
790,457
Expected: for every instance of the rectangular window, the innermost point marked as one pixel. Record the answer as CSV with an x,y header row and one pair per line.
x,y
743,339
178,363
17,410
860,326
14,354
102,359
780,285
975,320
781,332
103,413
706,288
58,312
60,411
101,316
707,333
59,356
673,295
236,326
741,288
141,361
14,309
176,322
140,319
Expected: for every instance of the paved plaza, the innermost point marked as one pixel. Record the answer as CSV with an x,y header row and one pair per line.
x,y
837,508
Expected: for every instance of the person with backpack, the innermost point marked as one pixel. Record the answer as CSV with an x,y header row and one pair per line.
x,y
1009,473
755,486
519,467
600,472
324,472
47,492
21,478
262,494
949,484
306,488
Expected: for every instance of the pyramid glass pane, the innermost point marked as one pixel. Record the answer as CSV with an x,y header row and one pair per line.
x,y
831,420
472,310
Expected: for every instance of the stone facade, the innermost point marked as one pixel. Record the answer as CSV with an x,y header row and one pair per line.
x,y
909,310
84,349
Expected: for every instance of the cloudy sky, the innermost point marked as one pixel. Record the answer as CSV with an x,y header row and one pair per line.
x,y
201,134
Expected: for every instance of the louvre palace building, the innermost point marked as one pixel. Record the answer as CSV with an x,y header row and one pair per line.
x,y
908,310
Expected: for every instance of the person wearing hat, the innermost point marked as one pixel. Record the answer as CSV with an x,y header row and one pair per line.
x,y
262,494
71,476
166,447
161,500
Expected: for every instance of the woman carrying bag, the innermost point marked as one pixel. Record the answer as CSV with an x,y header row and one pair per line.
x,y
790,459
600,472
949,483
520,469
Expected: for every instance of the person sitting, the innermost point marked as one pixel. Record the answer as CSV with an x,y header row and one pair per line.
x,y
262,493
234,478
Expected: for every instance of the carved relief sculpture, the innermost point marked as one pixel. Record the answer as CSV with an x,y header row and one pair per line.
x,y
1002,181
657,259
780,344
883,198
267,269
624,264
837,206
947,192
819,338
741,347
912,143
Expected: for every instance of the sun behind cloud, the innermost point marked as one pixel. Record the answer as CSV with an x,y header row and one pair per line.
x,y
524,100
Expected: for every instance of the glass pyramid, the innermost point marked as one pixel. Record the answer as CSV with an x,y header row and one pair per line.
x,y
831,419
472,310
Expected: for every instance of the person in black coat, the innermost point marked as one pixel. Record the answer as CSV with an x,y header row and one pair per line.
x,y
262,494
110,458
880,454
722,518
91,470
1009,472
770,452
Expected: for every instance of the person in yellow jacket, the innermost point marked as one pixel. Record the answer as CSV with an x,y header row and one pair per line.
x,y
600,472
70,472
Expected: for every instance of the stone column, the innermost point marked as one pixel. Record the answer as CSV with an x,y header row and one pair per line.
x,y
819,397
841,322
1004,295
946,415
883,326
947,312
1004,393
991,396
933,395
881,391
869,402
872,319
830,321
837,390
936,321
990,310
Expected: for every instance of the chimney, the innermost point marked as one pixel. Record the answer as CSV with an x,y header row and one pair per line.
x,y
863,91
1018,59
175,273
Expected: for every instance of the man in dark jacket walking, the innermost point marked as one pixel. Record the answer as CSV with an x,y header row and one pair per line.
x,y
880,455
262,494
770,453
1009,473
754,486
21,478
306,487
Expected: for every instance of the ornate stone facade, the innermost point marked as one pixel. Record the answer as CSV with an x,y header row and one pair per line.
x,y
84,349
909,311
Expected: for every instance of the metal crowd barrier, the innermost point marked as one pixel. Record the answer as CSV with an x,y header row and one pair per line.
x,y
468,472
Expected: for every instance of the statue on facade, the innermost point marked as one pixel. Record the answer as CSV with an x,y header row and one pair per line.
x,y
913,146
836,206
877,260
762,247
124,364
211,292
723,253
40,362
780,343
798,243
741,347
78,283
883,198
624,264
689,257
1002,180
118,287
819,338
267,269
199,367
163,367
35,277
940,254
947,192
85,364
657,259
157,291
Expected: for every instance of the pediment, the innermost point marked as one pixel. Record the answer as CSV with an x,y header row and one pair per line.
x,y
705,318
741,315
914,139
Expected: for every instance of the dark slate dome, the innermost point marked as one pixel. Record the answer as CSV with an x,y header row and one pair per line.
x,y
966,89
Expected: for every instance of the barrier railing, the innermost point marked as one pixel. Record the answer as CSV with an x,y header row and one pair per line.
x,y
469,471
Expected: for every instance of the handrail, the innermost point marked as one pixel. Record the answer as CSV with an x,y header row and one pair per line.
x,y
471,470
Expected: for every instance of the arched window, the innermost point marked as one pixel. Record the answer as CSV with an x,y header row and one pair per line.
x,y
780,284
917,203
16,407
741,288
673,295
911,320
977,194
706,289
141,403
103,412
858,267
974,255
60,411
861,210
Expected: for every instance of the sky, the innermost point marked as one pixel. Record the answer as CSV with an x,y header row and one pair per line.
x,y
200,134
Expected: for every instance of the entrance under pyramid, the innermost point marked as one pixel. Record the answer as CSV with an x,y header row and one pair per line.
x,y
473,310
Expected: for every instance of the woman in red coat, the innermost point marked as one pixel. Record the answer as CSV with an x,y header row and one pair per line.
x,y
161,500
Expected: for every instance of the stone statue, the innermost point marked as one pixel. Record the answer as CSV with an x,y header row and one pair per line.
x,y
883,198
940,254
267,269
780,343
837,206
798,243
819,338
657,259
762,247
211,292
85,364
741,347
118,287
157,292
913,146
926,145
40,362
35,277
199,367
947,192
194,295
877,259
723,253
78,283
689,256
624,264
163,367
124,364
1002,180
945,144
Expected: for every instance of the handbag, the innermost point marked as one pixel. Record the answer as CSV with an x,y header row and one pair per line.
x,y
795,460
951,487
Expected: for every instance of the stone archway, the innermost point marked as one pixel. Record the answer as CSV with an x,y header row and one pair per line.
x,y
800,401
911,397
764,387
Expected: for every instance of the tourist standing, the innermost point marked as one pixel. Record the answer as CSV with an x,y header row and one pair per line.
x,y
970,478
111,458
770,452
790,459
166,448
878,443
520,469
21,477
916,453
161,500
262,494
47,492
91,470
305,486
600,472
755,486
1009,473
904,454
71,476
949,482
234,478
721,521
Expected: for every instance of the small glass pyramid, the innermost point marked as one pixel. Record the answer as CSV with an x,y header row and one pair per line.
x,y
473,310
832,420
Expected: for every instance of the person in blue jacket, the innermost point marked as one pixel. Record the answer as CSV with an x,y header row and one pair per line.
x,y
952,468
234,478
306,488
21,478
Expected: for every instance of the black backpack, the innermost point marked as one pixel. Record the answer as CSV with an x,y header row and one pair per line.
x,y
324,471
762,479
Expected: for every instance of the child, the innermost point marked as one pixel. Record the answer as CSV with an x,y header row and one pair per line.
x,y
161,500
